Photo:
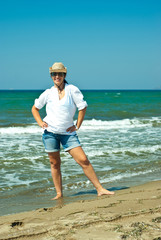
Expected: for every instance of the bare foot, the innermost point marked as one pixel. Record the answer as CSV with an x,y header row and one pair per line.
x,y
104,192
57,197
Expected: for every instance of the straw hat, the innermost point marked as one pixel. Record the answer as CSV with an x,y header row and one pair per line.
x,y
58,67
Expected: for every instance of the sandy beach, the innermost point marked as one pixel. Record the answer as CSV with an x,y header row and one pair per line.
x,y
133,213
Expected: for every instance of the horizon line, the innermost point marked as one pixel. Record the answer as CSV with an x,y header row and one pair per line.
x,y
112,89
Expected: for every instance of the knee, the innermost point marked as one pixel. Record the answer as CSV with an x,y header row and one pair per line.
x,y
84,162
55,164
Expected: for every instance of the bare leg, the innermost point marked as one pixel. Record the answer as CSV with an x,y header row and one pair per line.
x,y
80,157
56,173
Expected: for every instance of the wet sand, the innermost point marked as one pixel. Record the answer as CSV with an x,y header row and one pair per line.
x,y
133,213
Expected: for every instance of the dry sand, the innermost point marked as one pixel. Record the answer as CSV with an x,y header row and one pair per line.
x,y
134,213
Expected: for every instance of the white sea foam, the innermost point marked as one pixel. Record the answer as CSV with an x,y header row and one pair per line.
x,y
119,124
11,180
21,130
138,150
107,180
19,146
125,175
123,150
88,125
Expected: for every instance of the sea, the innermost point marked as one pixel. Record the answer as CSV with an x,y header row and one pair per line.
x,y
121,135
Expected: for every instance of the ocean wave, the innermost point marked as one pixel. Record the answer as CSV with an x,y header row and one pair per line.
x,y
31,129
125,175
90,125
68,183
124,151
114,178
121,124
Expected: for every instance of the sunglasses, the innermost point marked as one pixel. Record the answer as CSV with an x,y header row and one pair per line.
x,y
60,74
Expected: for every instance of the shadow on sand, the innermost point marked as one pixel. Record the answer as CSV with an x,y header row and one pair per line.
x,y
95,192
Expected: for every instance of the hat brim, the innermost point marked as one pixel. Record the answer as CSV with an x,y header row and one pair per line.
x,y
57,70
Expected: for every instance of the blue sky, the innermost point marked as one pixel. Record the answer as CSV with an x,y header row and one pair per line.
x,y
104,44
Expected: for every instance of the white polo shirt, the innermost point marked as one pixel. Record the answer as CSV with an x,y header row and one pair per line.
x,y
60,113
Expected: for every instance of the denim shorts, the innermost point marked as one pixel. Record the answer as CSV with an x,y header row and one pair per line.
x,y
52,141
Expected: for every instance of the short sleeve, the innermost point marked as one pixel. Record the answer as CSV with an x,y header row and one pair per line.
x,y
42,100
78,98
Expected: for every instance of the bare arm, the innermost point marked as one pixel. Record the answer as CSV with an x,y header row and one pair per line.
x,y
36,114
80,119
